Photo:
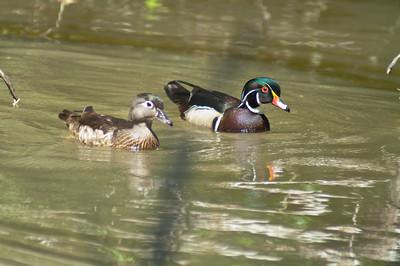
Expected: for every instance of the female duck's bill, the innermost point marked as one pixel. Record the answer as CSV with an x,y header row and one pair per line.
x,y
7,81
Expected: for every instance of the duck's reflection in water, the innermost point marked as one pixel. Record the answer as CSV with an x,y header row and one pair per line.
x,y
242,156
247,155
97,154
142,178
158,180
156,183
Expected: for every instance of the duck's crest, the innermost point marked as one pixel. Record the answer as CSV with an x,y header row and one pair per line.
x,y
88,109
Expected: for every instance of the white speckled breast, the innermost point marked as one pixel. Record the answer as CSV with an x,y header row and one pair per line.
x,y
94,137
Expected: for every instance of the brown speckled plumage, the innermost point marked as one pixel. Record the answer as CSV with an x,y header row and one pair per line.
x,y
95,129
138,138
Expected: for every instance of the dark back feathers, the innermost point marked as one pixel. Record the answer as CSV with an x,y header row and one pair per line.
x,y
89,117
184,98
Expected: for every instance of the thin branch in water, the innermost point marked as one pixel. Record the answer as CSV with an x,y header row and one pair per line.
x,y
391,65
7,81
63,4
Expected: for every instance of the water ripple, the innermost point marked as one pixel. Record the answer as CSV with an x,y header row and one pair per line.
x,y
198,246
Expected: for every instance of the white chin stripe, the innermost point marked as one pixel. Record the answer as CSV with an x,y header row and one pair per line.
x,y
247,95
258,98
252,109
244,99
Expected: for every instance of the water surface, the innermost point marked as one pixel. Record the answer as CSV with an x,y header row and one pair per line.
x,y
322,188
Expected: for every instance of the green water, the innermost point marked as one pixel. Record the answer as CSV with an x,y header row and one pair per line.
x,y
322,188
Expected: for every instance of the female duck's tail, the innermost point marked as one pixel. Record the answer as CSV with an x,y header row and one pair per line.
x,y
65,114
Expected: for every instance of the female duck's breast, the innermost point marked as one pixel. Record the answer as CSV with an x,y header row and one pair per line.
x,y
241,120
140,138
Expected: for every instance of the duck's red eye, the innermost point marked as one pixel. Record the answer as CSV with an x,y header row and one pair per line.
x,y
264,89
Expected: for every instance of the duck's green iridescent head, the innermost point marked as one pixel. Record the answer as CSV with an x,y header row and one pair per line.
x,y
259,91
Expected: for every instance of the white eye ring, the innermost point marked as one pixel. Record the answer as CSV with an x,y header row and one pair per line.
x,y
148,104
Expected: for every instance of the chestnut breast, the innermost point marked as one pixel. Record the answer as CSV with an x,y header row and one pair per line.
x,y
241,120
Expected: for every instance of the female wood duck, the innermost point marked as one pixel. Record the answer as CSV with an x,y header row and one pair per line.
x,y
222,112
7,81
135,133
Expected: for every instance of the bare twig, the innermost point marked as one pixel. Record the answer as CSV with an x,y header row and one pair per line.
x,y
7,80
391,65
63,4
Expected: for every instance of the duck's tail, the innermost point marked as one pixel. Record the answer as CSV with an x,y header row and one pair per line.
x,y
71,119
65,114
70,116
179,94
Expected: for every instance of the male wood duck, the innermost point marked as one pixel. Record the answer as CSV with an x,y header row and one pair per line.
x,y
222,112
134,134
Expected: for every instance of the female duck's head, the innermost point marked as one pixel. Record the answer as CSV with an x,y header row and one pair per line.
x,y
145,107
259,91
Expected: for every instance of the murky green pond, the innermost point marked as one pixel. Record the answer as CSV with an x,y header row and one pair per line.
x,y
322,188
